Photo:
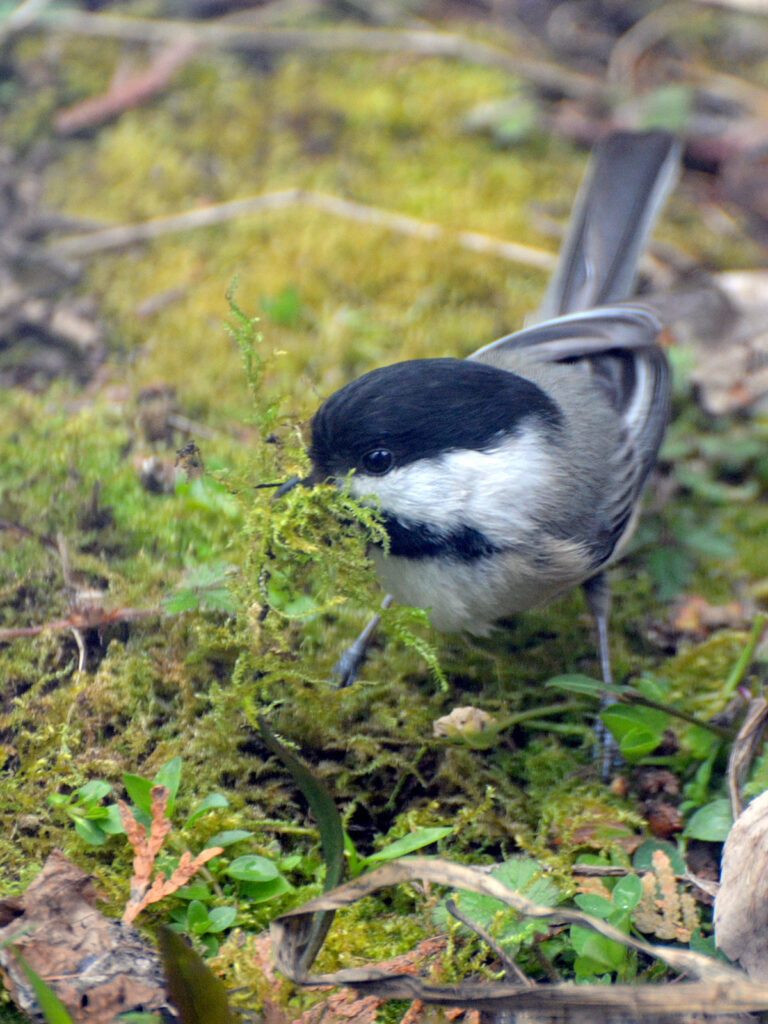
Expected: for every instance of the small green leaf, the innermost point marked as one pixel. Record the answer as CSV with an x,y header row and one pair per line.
x,y
138,789
260,892
94,790
197,918
212,801
170,777
576,683
416,840
596,947
221,918
90,833
712,822
700,741
627,892
93,812
587,969
227,838
112,823
253,868
195,890
652,689
637,742
637,730
597,906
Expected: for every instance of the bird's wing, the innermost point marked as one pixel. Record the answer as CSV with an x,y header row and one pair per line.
x,y
619,346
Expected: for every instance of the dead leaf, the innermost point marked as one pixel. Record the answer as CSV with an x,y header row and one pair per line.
x,y
741,904
96,966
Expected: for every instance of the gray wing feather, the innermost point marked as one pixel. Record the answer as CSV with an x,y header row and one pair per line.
x,y
619,346
585,320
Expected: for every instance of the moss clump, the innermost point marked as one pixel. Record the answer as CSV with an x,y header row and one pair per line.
x,y
273,591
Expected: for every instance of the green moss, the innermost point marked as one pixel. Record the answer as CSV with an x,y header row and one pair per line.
x,y
387,132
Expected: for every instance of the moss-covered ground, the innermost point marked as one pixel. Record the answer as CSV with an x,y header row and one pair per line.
x,y
274,591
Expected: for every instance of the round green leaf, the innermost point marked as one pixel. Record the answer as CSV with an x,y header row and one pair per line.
x,y
253,868
221,918
197,917
712,822
597,906
90,833
627,892
642,859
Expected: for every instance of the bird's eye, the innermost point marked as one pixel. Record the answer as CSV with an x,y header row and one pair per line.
x,y
377,462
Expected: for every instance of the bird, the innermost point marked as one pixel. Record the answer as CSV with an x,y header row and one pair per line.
x,y
508,478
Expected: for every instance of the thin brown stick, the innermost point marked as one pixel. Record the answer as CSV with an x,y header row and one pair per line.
x,y
421,43
126,93
81,621
207,216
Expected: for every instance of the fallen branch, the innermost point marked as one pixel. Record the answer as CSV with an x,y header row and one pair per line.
x,y
717,986
207,216
81,620
422,43
123,94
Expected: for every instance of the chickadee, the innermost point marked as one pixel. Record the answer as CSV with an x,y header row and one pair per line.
x,y
510,477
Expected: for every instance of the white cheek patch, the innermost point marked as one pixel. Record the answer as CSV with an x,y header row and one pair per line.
x,y
489,491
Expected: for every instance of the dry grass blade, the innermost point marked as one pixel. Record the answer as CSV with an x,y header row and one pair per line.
x,y
724,988
744,749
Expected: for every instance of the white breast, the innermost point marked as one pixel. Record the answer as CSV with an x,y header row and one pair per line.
x,y
473,596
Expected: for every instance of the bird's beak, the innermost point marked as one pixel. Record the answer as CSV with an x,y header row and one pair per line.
x,y
287,486
313,478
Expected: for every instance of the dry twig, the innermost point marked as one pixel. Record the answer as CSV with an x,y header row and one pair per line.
x,y
207,216
123,94
549,76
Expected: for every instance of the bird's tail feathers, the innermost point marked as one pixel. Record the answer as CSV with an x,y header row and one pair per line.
x,y
626,184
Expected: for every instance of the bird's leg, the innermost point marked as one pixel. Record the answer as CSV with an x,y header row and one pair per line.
x,y
598,594
348,665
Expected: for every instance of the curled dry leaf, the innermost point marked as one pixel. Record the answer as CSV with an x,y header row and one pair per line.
x,y
741,904
96,966
717,984
664,819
